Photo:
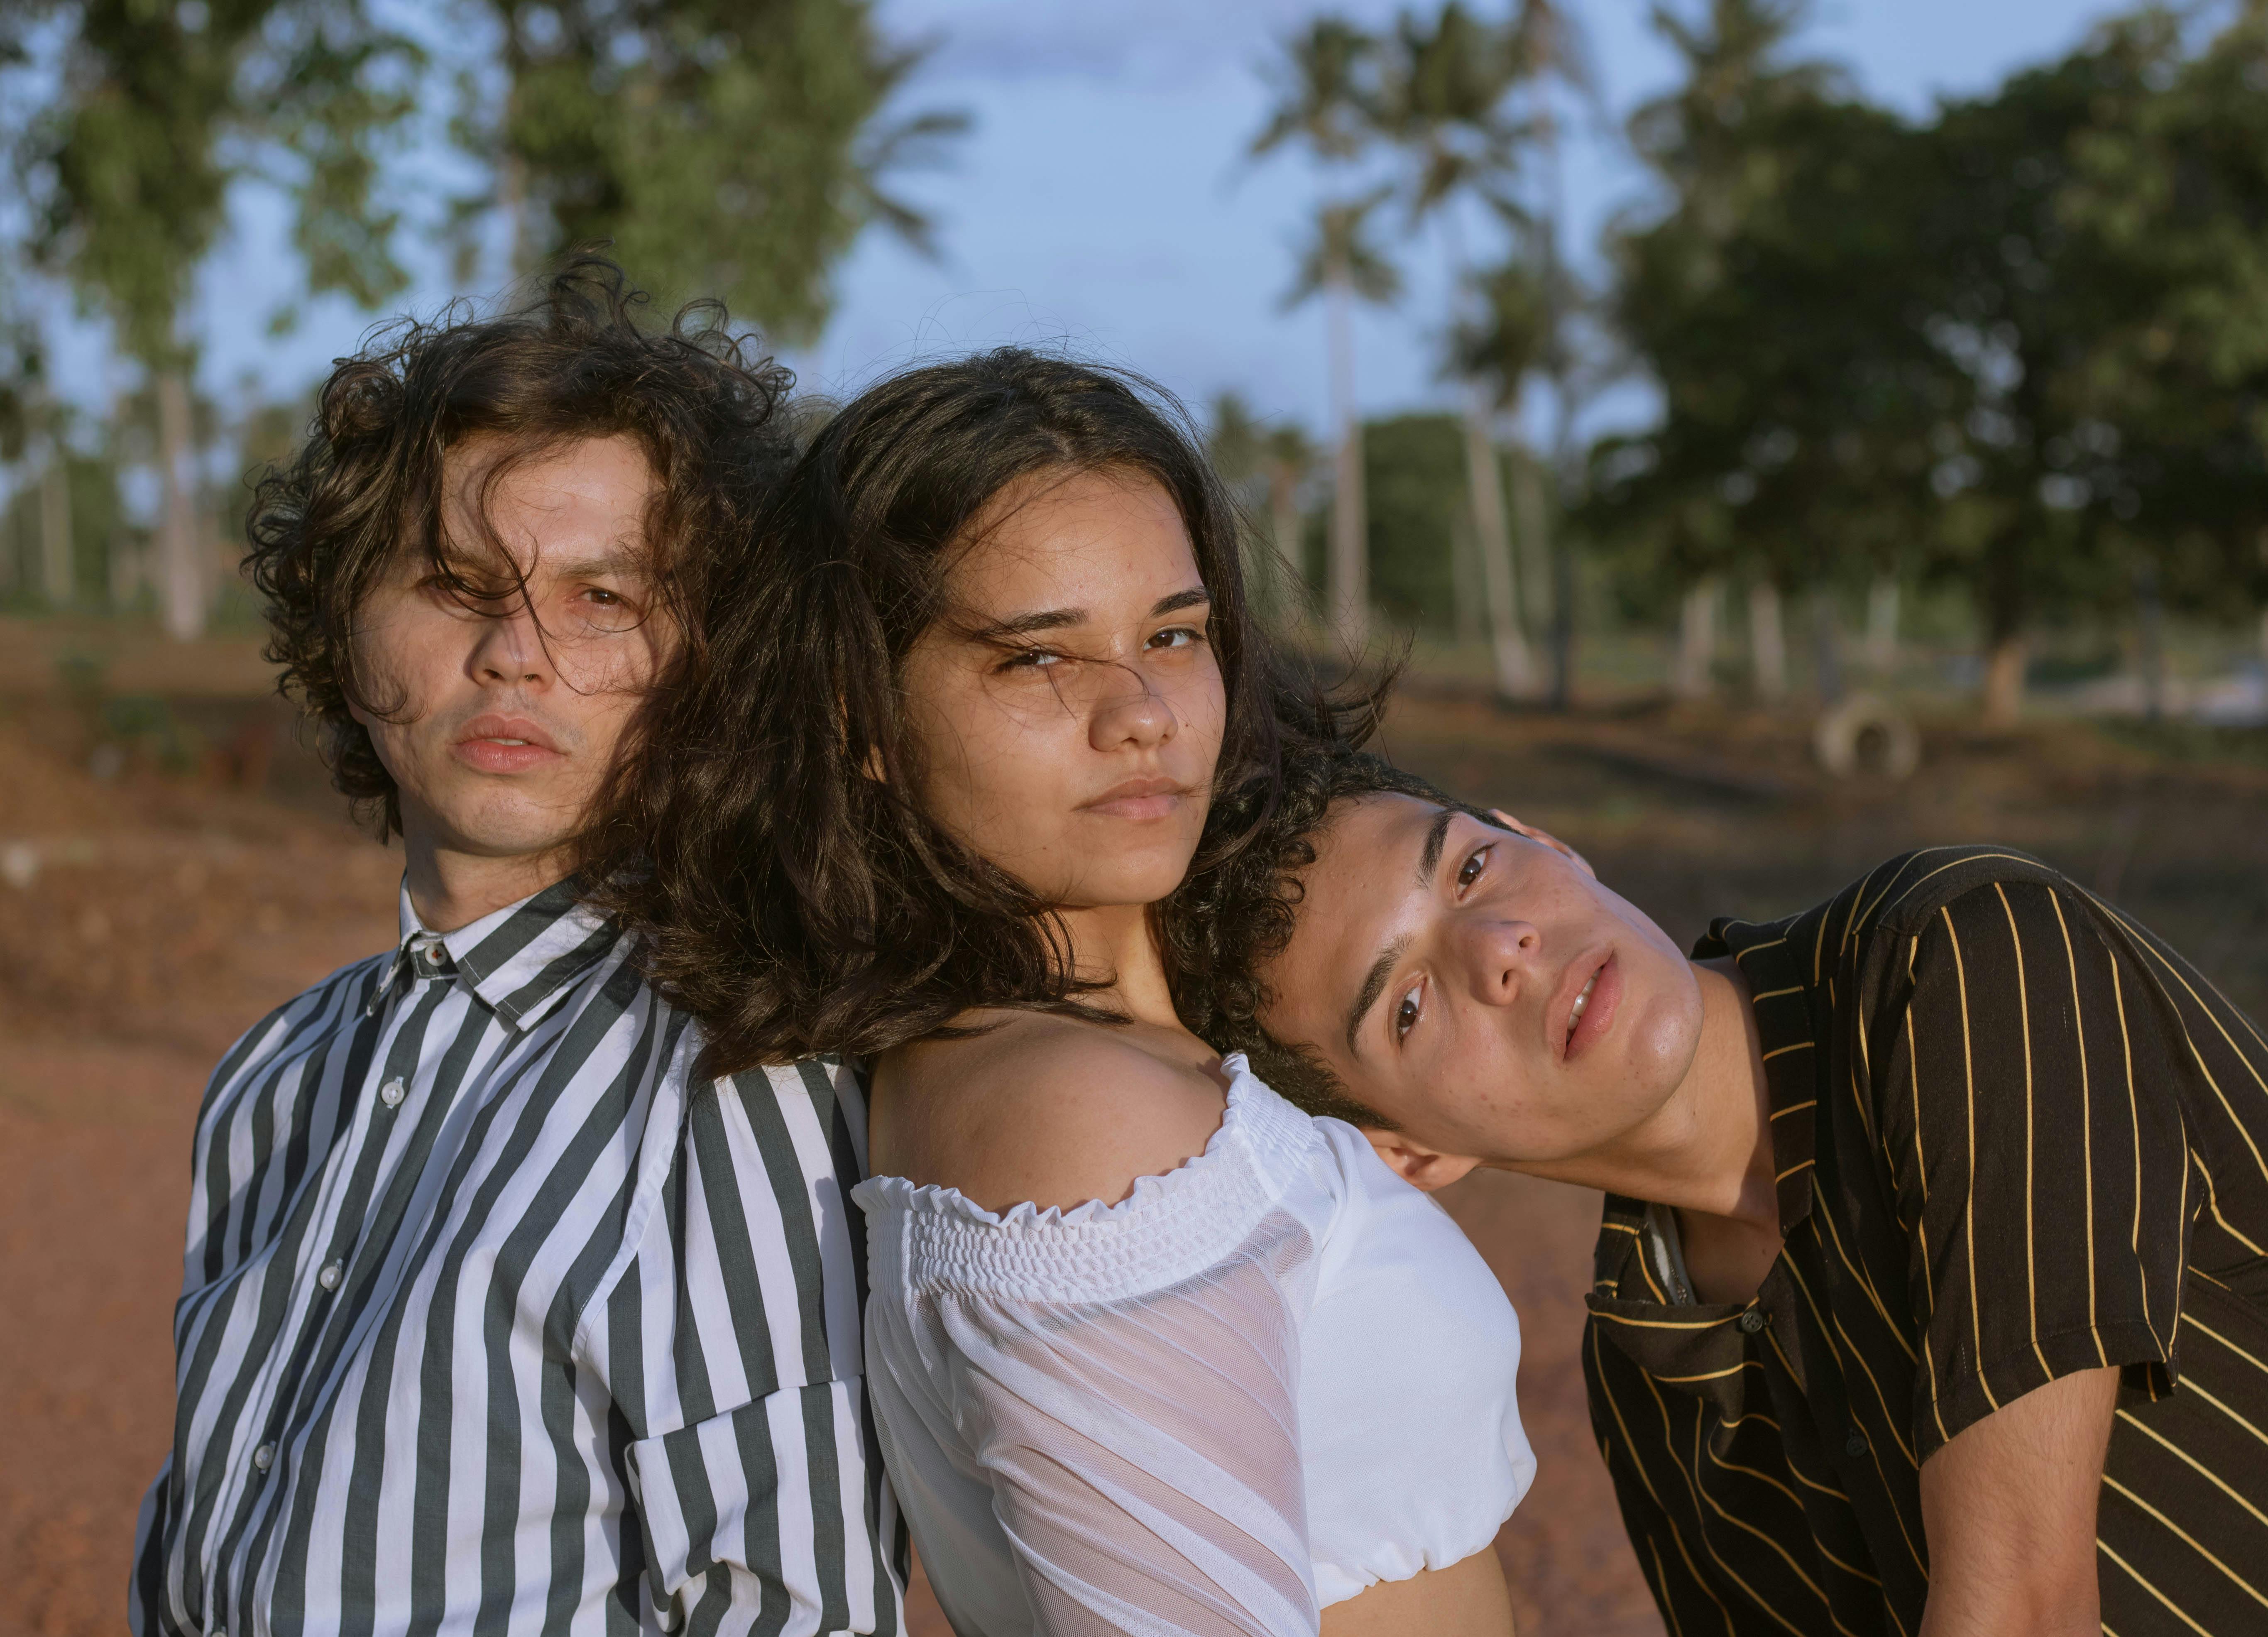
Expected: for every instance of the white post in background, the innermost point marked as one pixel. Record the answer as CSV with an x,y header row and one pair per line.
x,y
180,565
1883,625
1767,642
1693,676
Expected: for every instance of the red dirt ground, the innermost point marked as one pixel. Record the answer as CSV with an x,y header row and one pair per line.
x,y
169,911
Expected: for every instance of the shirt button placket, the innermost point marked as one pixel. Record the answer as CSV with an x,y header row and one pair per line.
x,y
392,1092
1752,1321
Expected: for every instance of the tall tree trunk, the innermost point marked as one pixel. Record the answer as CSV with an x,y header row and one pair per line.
x,y
1767,643
1349,552
1286,547
1826,647
57,572
1515,669
2150,612
180,564
2004,680
1468,596
1883,625
1532,553
1693,676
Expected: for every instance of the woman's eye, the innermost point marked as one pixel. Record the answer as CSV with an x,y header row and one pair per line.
x,y
604,598
1472,868
1178,637
1405,1016
1030,659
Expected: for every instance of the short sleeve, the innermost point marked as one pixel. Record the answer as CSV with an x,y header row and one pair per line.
x,y
2025,1072
1144,1455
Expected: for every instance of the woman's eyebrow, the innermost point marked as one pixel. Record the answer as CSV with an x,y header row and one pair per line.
x,y
1039,620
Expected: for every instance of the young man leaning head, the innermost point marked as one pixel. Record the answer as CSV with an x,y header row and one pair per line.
x,y
1907,1194
463,1341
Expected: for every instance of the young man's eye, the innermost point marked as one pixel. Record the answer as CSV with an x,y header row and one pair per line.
x,y
1405,1016
1471,870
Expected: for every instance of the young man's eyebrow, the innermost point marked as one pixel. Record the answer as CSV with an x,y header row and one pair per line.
x,y
1373,981
1373,984
1429,856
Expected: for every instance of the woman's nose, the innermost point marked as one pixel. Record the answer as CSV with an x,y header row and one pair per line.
x,y
1132,713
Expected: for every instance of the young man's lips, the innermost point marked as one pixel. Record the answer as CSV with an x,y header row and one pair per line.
x,y
1138,799
499,744
1590,1011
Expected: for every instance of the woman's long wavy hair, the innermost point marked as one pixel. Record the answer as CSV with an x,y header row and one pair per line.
x,y
580,360
789,898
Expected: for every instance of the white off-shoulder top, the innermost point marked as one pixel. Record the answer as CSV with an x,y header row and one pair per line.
x,y
1256,1386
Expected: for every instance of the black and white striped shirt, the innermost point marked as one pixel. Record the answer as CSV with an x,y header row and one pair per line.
x,y
490,1322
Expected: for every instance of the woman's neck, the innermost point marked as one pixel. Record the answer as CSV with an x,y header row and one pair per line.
x,y
1117,944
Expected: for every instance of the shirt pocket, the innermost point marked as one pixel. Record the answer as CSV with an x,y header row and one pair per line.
x,y
762,1509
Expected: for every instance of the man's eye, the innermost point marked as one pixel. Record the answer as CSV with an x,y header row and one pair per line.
x,y
1472,868
1405,1016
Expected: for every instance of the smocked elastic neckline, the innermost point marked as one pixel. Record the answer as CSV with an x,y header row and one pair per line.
x,y
1168,1224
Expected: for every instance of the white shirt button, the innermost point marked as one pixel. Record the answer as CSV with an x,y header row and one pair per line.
x,y
329,1279
390,1094
264,1457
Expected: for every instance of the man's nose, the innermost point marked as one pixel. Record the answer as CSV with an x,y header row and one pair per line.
x,y
510,649
1131,714
1503,956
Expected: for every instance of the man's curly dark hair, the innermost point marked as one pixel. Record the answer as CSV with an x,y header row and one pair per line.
x,y
578,361
1229,921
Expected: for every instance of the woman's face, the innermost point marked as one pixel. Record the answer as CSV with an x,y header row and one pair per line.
x,y
1067,711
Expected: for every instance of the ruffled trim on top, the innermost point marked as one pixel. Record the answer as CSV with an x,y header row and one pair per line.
x,y
1169,1229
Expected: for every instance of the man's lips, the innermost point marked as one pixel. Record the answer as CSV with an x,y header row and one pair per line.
x,y
505,744
1583,1009
1152,798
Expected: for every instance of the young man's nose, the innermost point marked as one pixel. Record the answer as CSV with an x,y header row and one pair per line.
x,y
509,650
1131,714
1505,957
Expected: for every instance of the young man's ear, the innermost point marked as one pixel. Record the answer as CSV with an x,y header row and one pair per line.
x,y
1415,1163
1548,839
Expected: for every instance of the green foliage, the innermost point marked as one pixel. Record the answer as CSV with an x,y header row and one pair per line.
x,y
1414,475
164,108
725,150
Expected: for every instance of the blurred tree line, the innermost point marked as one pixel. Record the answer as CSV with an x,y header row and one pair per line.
x,y
2013,350
733,151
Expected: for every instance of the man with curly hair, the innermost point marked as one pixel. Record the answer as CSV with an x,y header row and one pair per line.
x,y
1932,1292
496,1317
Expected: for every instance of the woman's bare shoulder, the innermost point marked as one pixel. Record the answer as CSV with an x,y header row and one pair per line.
x,y
1049,1110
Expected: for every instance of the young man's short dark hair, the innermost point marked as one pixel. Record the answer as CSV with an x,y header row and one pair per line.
x,y
581,360
1231,920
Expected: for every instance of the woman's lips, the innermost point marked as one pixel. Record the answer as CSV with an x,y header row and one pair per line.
x,y
1139,799
1592,1011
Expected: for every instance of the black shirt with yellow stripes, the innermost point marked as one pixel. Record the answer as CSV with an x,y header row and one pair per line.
x,y
2015,1135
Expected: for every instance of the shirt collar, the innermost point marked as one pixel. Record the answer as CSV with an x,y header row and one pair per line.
x,y
1787,1030
518,960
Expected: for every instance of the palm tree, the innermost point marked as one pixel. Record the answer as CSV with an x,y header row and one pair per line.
x,y
1446,107
1548,58
1342,264
1329,105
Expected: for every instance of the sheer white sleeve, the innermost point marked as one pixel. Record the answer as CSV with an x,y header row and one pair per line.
x,y
1092,1417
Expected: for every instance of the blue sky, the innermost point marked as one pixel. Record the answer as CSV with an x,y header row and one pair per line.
x,y
1101,199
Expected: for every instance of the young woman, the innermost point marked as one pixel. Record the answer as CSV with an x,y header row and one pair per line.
x,y
1149,1349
